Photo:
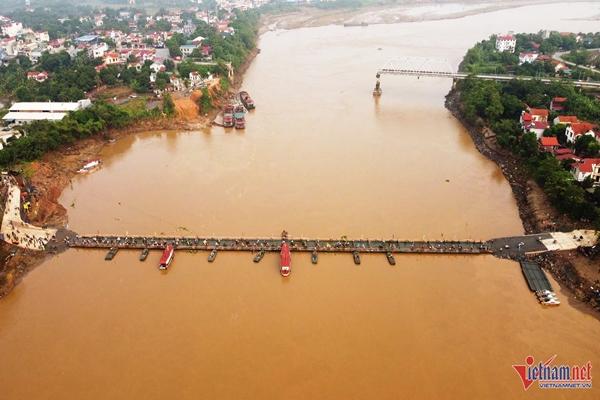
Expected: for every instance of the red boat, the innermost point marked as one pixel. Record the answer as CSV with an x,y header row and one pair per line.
x,y
247,100
228,116
285,260
167,257
238,117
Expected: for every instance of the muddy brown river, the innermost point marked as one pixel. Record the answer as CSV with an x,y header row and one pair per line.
x,y
320,157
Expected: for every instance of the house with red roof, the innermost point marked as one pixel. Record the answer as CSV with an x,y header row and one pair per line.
x,y
577,129
528,57
534,120
506,42
565,154
558,103
37,76
588,167
548,144
111,57
538,114
565,120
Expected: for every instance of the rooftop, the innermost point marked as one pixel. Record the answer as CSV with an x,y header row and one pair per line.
x,y
549,141
34,116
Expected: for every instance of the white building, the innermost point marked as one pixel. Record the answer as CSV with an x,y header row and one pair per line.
x,y
506,42
187,49
527,57
11,28
21,113
588,167
98,50
574,130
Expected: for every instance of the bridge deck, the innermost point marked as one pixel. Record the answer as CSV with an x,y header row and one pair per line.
x,y
274,244
495,77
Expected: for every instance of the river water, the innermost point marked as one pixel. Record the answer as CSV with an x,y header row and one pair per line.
x,y
320,157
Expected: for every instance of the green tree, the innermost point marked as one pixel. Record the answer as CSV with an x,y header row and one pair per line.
x,y
168,105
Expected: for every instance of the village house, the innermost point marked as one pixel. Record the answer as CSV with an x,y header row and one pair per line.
x,y
111,58
198,41
87,40
98,50
577,129
157,67
9,45
11,28
562,67
565,120
187,49
565,154
534,120
536,114
558,104
527,57
37,76
176,83
195,79
506,42
99,20
588,167
549,144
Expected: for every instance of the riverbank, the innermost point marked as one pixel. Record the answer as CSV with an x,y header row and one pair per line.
x,y
404,11
48,177
52,173
572,270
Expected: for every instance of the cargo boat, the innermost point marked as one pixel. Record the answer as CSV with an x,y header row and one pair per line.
x,y
167,257
247,100
238,117
285,260
228,116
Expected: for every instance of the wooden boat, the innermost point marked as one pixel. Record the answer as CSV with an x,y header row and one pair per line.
x,y
238,117
390,258
144,254
228,116
111,253
314,258
212,255
356,257
247,100
259,256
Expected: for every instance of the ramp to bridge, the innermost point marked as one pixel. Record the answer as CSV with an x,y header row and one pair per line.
x,y
535,276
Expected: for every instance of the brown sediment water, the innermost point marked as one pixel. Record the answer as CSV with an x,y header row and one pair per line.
x,y
321,158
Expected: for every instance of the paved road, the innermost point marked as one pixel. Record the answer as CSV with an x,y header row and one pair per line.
x,y
558,57
518,246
